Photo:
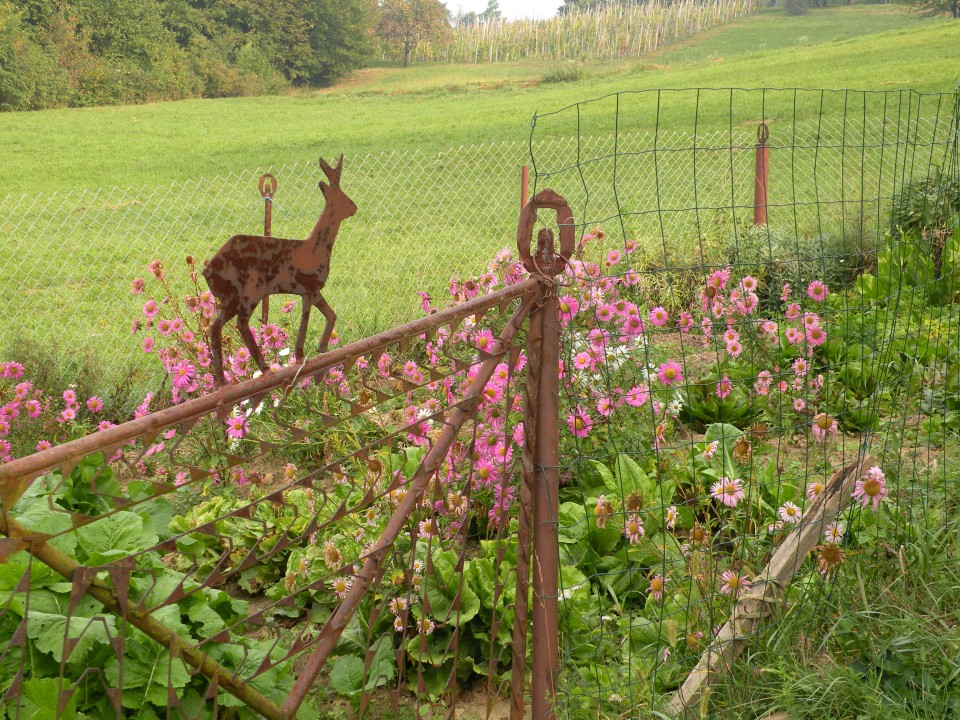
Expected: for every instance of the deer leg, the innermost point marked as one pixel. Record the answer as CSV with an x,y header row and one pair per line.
x,y
243,325
216,345
302,332
331,318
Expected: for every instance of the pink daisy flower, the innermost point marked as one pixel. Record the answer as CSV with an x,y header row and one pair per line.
x,y
94,404
724,387
817,291
637,396
824,425
789,513
729,492
237,426
833,533
670,373
44,445
734,583
633,529
657,585
658,317
871,489
734,348
579,422
568,308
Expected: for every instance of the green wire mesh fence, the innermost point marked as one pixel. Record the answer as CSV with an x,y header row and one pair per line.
x,y
743,391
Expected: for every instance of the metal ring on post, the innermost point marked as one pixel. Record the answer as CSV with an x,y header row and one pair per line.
x,y
763,133
268,186
546,198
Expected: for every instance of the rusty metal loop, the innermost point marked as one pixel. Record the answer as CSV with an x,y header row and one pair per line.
x,y
268,186
546,198
763,133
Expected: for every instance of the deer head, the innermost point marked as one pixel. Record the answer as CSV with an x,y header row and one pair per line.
x,y
337,201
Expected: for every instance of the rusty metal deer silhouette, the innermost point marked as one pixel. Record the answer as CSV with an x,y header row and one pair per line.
x,y
248,268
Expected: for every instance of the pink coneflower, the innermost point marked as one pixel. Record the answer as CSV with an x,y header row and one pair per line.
x,y
711,450
730,334
724,387
94,404
833,533
568,307
637,396
685,322
734,348
815,490
729,492
789,513
794,336
670,373
341,586
33,408
147,344
816,336
657,585
671,517
384,364
68,414
150,309
70,397
817,291
811,320
605,406
583,361
613,257
104,425
579,422
800,366
136,287
484,340
871,489
658,317
734,583
799,404
824,425
182,375
163,327
606,313
633,529
237,426
426,626
44,445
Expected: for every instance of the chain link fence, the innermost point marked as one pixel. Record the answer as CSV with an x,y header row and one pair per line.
x,y
69,258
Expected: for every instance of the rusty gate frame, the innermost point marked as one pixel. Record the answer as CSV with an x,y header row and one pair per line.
x,y
538,495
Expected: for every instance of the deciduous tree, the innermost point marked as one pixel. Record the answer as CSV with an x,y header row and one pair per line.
x,y
404,24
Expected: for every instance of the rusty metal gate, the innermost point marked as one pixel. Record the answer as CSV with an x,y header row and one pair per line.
x,y
217,550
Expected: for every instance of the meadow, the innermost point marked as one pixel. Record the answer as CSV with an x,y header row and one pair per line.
x,y
438,107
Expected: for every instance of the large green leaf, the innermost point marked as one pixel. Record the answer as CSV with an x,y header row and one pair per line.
x,y
49,631
115,536
441,593
149,669
573,523
38,701
346,676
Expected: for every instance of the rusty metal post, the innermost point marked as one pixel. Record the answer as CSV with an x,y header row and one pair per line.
x,y
268,189
546,553
521,608
761,176
524,185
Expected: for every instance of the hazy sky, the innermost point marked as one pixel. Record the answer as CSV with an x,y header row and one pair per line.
x,y
510,8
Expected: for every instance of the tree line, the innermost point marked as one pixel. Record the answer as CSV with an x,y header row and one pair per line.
x,y
75,53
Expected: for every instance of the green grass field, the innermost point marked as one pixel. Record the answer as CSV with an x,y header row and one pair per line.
x,y
438,107
95,194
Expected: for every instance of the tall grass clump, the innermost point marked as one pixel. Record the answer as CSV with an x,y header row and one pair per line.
x,y
602,32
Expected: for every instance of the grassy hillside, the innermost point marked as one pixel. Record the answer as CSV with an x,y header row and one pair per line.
x,y
437,107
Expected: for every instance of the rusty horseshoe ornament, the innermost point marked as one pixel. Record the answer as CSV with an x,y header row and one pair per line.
x,y
545,266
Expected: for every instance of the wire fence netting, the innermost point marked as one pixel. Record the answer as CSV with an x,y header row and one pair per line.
x,y
749,414
750,410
